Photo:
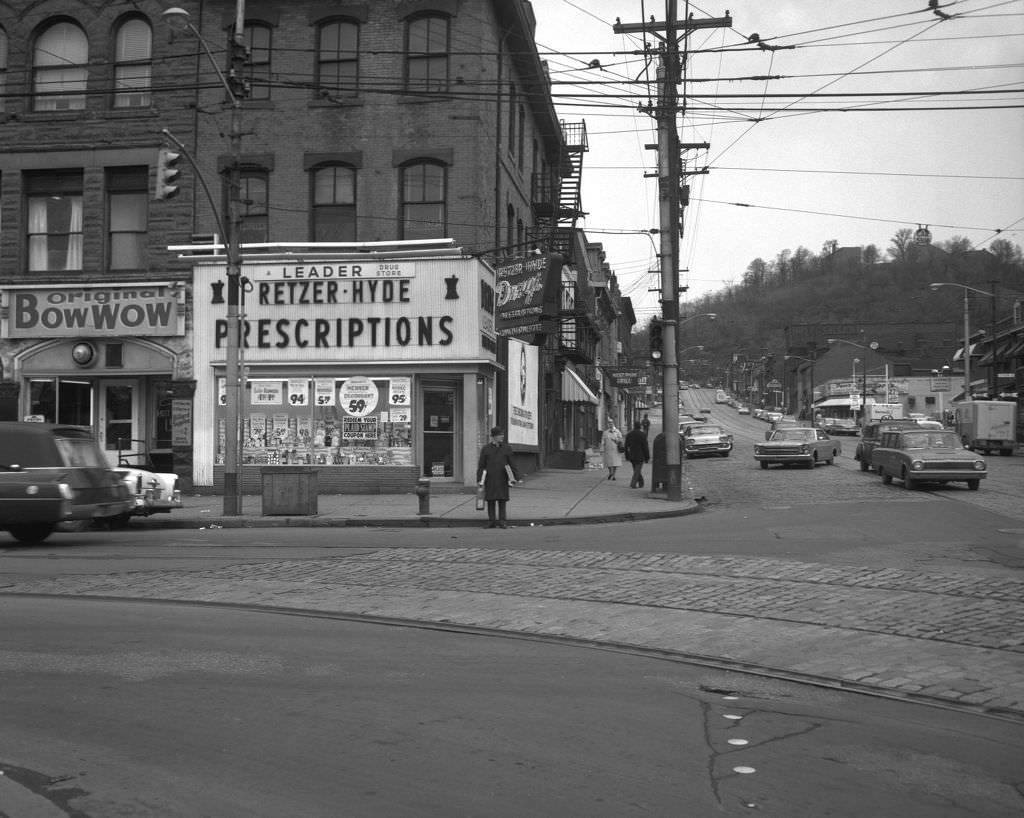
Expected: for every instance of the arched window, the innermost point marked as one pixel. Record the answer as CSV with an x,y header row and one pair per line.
x,y
257,70
133,44
424,193
337,58
426,53
334,203
60,68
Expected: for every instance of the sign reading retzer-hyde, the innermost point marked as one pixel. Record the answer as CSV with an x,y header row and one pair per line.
x,y
345,311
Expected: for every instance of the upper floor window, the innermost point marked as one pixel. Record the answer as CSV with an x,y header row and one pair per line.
x,y
254,213
54,206
424,194
334,203
127,212
257,70
3,67
133,55
426,50
337,58
60,68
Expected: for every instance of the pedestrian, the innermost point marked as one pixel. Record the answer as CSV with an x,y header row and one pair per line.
x,y
612,447
637,453
646,424
495,472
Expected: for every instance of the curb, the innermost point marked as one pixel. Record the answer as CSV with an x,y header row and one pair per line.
x,y
424,521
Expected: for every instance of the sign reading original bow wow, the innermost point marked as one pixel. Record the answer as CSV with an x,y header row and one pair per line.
x,y
527,297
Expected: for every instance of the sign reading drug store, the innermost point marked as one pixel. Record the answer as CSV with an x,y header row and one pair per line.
x,y
528,297
344,310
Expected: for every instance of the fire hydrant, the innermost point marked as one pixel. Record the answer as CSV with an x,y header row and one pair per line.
x,y
423,492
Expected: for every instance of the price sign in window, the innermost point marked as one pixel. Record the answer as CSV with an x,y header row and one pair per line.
x,y
298,392
358,396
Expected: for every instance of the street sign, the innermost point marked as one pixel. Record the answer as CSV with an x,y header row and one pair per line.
x,y
940,385
855,400
774,384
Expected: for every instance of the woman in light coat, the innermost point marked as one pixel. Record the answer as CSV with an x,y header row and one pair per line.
x,y
610,442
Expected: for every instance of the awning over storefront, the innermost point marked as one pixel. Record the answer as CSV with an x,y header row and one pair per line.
x,y
575,390
832,402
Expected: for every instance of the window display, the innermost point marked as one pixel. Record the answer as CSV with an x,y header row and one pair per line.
x,y
358,420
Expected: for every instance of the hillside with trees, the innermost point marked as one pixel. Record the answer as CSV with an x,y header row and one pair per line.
x,y
847,285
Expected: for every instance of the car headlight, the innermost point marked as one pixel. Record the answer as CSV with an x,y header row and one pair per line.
x,y
805,449
916,465
979,465
757,450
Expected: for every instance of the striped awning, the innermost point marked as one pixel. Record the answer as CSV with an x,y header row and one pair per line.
x,y
574,390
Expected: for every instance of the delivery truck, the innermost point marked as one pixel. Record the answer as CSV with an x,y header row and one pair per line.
x,y
987,425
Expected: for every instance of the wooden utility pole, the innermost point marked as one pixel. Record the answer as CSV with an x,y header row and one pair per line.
x,y
670,212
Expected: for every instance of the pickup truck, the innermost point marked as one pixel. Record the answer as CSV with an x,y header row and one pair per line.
x,y
52,474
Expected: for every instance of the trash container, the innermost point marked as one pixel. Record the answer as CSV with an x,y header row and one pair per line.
x,y
289,490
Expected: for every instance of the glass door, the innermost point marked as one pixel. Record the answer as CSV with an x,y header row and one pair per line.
x,y
439,431
119,425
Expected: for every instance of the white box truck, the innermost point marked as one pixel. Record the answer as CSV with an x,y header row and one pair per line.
x,y
987,425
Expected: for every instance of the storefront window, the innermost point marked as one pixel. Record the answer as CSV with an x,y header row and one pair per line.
x,y
341,421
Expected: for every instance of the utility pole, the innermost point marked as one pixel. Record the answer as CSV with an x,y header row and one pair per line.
x,y
670,209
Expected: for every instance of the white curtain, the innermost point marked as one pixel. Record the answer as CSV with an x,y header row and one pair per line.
x,y
74,258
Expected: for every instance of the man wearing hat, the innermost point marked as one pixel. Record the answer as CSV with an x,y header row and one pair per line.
x,y
495,472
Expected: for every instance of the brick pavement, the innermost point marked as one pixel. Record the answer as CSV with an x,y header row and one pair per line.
x,y
940,637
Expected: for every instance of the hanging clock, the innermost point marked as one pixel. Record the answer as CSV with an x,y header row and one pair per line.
x,y
83,354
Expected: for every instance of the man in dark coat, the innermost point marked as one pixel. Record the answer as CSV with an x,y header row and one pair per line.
x,y
637,453
495,471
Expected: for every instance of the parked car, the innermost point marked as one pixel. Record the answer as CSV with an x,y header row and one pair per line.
x,y
802,446
841,426
743,410
689,420
871,434
705,439
153,492
53,474
771,416
920,455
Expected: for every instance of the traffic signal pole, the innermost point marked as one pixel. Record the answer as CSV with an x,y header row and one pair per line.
x,y
670,211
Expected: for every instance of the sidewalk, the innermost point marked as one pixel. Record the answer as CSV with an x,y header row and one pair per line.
x,y
550,497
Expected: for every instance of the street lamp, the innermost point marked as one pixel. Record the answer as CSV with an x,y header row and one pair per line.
x,y
180,20
967,332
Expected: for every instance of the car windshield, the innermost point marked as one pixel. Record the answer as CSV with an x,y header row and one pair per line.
x,y
931,440
799,435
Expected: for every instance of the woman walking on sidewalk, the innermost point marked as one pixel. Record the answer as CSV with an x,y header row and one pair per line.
x,y
611,445
495,471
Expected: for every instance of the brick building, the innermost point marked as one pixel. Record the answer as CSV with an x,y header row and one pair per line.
x,y
413,140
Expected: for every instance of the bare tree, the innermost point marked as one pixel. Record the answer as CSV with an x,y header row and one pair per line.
x,y
899,249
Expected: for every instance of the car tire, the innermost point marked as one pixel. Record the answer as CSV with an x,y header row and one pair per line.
x,y
724,454
832,460
908,481
886,478
32,532
764,465
864,465
973,484
812,462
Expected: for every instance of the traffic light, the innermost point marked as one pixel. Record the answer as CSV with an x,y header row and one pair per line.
x,y
657,342
166,174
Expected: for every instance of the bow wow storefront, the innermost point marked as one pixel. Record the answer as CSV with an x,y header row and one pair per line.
x,y
374,370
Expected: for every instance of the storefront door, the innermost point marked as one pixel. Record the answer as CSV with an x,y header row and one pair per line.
x,y
119,426
439,431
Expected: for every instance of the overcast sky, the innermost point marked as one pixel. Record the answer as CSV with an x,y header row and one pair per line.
x,y
917,148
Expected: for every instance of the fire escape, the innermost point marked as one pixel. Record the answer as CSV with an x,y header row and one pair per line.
x,y
557,197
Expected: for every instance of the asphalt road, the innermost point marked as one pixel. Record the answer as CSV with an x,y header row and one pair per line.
x,y
160,711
